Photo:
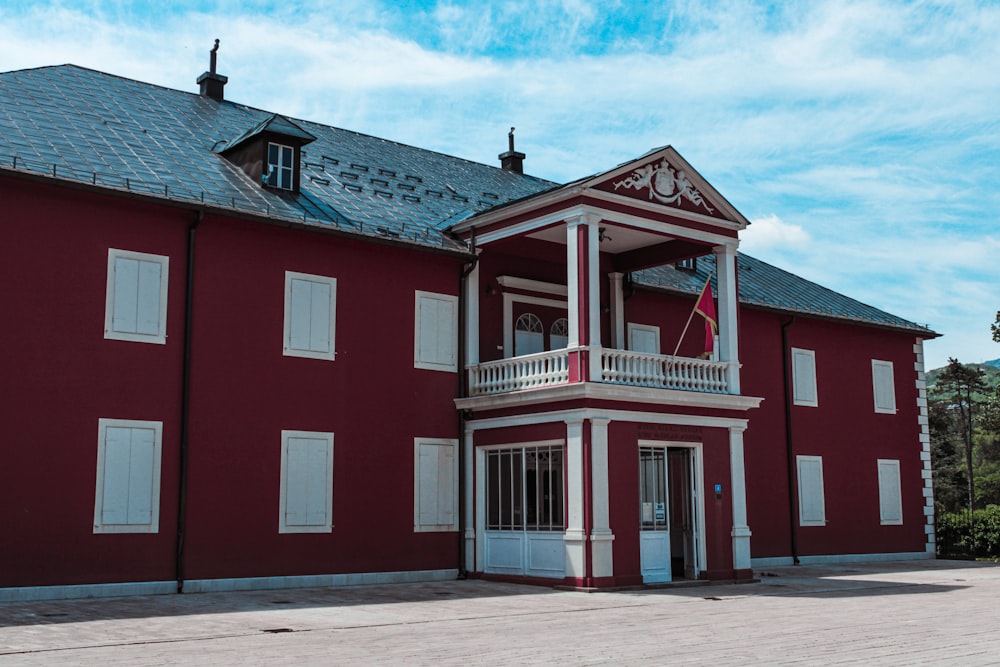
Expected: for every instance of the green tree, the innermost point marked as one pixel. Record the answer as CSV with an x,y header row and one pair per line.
x,y
995,328
958,385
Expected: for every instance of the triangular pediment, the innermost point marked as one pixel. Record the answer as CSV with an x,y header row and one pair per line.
x,y
663,178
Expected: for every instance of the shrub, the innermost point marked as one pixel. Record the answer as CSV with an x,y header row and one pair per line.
x,y
965,534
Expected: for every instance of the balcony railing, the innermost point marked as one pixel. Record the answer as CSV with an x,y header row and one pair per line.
x,y
621,367
664,372
525,372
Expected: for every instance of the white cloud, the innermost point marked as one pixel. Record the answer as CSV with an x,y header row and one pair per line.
x,y
770,232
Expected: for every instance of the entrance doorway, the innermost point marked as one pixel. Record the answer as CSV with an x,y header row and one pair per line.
x,y
670,521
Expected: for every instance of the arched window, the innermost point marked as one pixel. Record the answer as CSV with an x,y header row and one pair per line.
x,y
559,334
529,336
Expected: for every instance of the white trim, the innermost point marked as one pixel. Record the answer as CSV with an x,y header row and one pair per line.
x,y
617,311
471,323
597,413
508,317
924,439
648,328
884,409
513,282
594,340
327,525
469,526
160,337
453,482
741,531
834,559
435,365
820,492
615,217
82,591
611,392
726,342
154,518
317,580
287,348
890,463
575,537
701,556
797,370
601,536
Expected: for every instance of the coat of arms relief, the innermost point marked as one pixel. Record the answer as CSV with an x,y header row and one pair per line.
x,y
665,185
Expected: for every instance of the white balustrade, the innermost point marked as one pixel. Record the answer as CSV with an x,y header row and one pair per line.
x,y
637,369
525,372
663,371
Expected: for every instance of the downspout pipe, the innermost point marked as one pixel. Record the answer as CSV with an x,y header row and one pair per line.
x,y
185,402
463,391
786,358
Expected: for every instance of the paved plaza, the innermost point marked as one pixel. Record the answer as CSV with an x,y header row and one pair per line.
x,y
924,612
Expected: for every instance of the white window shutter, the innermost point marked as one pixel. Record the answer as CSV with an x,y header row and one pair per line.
x,y
804,377
429,331
884,386
812,506
429,483
126,295
115,494
319,326
644,340
444,335
446,485
148,304
890,501
300,315
140,479
297,487
316,483
306,502
436,332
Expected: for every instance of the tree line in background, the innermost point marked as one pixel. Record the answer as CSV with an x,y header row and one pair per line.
x,y
963,405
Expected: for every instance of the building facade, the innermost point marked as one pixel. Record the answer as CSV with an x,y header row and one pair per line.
x,y
243,351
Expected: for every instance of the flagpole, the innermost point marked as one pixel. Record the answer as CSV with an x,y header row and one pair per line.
x,y
691,316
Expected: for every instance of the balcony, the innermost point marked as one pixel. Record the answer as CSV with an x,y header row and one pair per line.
x,y
618,367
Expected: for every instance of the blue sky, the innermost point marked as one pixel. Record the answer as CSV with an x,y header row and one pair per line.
x,y
861,138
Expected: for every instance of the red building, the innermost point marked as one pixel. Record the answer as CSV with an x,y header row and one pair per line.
x,y
244,351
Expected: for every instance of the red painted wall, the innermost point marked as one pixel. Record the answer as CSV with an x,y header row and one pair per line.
x,y
60,376
244,393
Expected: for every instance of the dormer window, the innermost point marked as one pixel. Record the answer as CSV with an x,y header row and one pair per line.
x,y
689,264
280,166
270,153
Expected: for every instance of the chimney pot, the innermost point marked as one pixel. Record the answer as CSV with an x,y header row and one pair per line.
x,y
512,160
212,83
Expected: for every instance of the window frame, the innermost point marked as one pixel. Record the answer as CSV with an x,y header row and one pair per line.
x,y
327,526
287,349
278,167
811,521
632,327
158,338
884,409
434,364
797,370
892,464
439,526
100,527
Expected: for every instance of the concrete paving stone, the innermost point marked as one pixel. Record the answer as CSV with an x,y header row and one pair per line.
x,y
905,613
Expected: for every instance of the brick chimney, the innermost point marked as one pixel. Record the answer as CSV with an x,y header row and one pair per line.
x,y
512,160
210,82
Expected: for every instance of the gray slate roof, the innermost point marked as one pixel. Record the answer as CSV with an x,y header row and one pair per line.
x,y
765,286
109,131
68,122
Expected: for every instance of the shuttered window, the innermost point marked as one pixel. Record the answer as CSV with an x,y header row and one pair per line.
x,y
128,476
883,387
812,504
435,496
136,302
435,345
310,316
306,504
890,500
804,377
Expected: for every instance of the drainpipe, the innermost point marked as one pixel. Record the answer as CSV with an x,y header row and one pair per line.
x,y
786,355
463,391
185,403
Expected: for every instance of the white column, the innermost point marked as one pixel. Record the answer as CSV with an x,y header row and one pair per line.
x,y
601,536
617,311
594,296
576,535
741,531
468,525
472,318
572,284
479,536
725,262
